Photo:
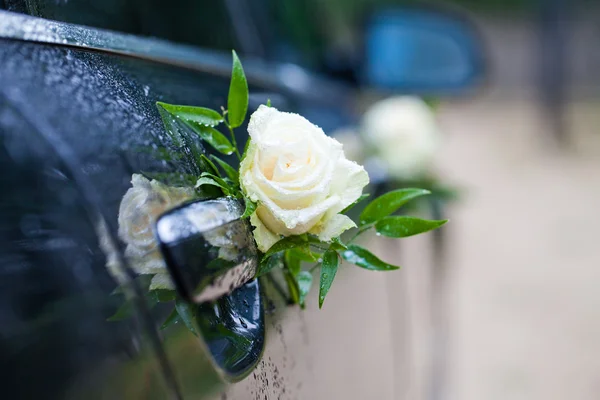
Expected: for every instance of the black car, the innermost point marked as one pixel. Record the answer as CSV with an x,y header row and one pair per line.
x,y
77,119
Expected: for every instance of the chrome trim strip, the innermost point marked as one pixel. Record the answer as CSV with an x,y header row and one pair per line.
x,y
288,78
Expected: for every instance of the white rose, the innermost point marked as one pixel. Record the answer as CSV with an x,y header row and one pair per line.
x,y
405,135
300,178
141,205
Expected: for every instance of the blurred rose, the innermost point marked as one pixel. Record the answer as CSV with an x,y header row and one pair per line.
x,y
405,135
142,204
300,178
140,207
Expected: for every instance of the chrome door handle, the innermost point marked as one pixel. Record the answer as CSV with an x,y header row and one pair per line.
x,y
208,249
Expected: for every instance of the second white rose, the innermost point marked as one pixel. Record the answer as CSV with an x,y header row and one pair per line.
x,y
299,177
405,135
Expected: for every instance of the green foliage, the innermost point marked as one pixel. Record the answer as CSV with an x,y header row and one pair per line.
x,y
402,226
237,101
287,243
388,203
185,124
172,319
229,170
229,188
304,282
268,264
209,181
293,289
293,261
197,116
125,311
250,207
210,165
328,270
351,206
187,314
363,258
215,138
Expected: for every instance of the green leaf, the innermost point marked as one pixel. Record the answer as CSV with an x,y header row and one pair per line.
x,y
337,245
181,134
303,253
229,170
152,298
388,203
209,181
363,258
402,226
210,166
286,243
196,115
250,208
432,102
237,101
186,313
268,264
163,295
328,270
213,137
304,280
125,311
268,102
172,319
351,206
293,261
219,180
293,289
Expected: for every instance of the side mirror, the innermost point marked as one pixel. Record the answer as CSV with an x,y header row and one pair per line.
x,y
421,50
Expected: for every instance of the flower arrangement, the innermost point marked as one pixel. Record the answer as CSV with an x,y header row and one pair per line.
x,y
398,139
294,184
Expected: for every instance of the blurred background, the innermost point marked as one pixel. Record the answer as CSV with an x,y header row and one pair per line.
x,y
505,305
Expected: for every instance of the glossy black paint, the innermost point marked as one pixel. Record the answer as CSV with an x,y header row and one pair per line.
x,y
74,126
234,330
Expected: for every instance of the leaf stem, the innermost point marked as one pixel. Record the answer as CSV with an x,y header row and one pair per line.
x,y
233,141
361,230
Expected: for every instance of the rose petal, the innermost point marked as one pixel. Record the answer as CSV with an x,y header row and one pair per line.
x,y
145,263
333,227
349,179
262,235
294,222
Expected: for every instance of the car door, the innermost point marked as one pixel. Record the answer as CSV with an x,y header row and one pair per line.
x,y
77,120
